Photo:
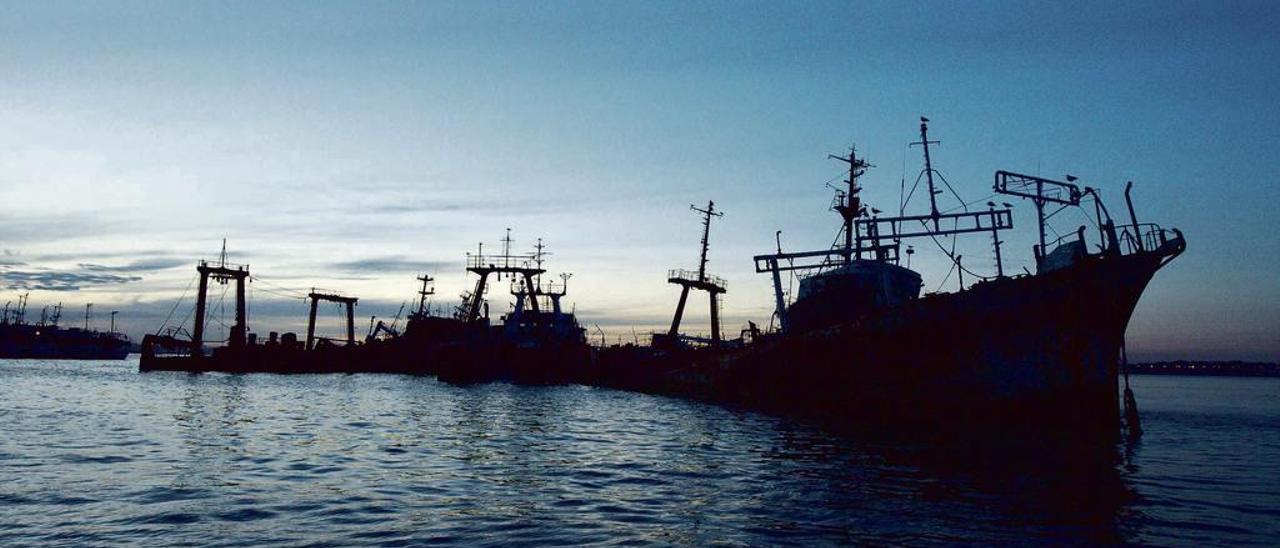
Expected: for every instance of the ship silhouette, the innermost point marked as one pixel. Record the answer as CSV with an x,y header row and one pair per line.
x,y
860,344
46,339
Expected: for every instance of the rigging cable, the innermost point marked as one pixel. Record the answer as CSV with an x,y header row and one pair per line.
x,y
175,304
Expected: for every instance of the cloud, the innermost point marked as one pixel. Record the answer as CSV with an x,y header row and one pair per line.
x,y
140,265
420,207
392,263
57,280
32,230
10,258
16,274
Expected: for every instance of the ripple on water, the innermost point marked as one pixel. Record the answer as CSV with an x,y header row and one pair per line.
x,y
394,460
246,514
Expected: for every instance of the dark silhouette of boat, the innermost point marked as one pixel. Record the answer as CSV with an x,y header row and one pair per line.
x,y
859,343
46,339
536,343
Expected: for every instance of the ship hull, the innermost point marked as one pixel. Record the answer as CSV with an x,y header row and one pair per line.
x,y
63,353
1036,350
52,343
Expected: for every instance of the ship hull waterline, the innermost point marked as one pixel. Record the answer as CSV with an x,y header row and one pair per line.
x,y
1040,351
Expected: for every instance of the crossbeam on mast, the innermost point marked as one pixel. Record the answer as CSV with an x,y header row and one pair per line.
x,y
1040,191
896,228
1037,188
773,261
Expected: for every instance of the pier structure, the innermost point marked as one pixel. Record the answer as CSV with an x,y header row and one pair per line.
x,y
700,280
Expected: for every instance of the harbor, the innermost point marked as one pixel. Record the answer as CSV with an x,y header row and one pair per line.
x,y
1042,349
639,274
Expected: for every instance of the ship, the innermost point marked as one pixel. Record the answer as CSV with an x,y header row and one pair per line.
x,y
860,345
46,339
538,342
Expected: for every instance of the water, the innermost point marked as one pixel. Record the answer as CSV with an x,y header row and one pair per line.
x,y
98,454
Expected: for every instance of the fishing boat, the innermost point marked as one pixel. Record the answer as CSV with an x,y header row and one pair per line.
x,y
47,339
860,343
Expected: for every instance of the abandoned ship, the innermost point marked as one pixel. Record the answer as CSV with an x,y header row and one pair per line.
x,y
538,342
859,343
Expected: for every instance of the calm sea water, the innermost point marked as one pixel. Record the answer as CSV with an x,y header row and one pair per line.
x,y
98,454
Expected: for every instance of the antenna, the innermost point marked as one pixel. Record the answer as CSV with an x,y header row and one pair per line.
x,y
506,248
87,309
538,256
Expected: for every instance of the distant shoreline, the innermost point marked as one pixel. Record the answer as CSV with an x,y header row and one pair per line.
x,y
1207,368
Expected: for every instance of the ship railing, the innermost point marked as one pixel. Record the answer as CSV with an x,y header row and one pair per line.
x,y
504,261
692,276
223,264
544,288
1070,237
1145,237
838,201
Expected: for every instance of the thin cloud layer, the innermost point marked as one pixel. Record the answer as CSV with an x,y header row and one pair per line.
x,y
46,279
391,263
140,265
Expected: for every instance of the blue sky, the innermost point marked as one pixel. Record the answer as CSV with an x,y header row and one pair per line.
x,y
352,145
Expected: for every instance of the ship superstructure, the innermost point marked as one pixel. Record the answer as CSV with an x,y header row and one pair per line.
x,y
537,342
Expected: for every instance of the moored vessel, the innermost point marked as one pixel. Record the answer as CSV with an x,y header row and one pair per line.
x,y
47,339
860,344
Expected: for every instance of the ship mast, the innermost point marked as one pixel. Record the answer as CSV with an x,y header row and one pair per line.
x,y
707,213
928,169
869,233
425,292
713,285
847,203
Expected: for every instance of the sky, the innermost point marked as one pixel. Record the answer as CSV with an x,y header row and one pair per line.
x,y
355,145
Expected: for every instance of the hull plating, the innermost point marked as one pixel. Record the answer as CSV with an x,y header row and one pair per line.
x,y
1039,348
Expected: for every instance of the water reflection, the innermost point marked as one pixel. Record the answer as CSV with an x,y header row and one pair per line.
x,y
264,459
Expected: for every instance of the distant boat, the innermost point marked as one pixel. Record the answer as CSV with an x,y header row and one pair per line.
x,y
45,339
538,342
